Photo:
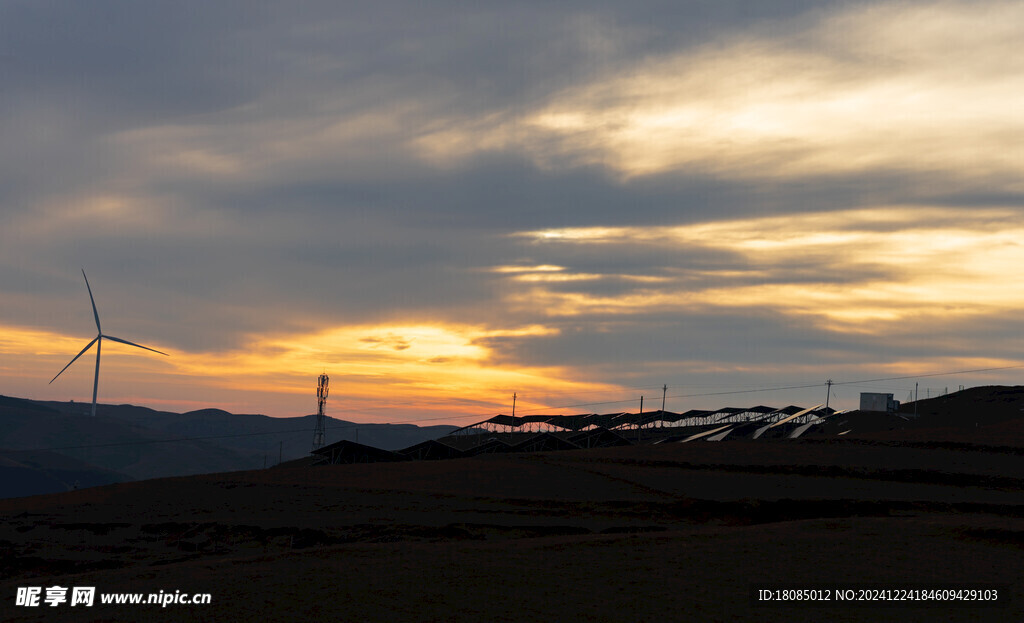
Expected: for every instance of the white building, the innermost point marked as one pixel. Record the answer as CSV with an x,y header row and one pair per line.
x,y
878,402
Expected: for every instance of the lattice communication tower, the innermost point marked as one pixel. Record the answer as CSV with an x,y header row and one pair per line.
x,y
321,419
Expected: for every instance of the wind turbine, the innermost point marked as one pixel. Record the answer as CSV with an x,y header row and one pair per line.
x,y
98,341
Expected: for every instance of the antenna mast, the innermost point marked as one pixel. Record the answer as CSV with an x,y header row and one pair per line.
x,y
321,419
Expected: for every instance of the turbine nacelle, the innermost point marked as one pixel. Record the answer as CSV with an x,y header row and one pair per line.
x,y
98,341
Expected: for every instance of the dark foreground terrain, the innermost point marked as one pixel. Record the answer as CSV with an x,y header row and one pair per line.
x,y
675,532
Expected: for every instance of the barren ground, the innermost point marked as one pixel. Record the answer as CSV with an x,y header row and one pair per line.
x,y
656,533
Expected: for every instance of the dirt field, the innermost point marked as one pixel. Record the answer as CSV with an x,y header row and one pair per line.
x,y
659,533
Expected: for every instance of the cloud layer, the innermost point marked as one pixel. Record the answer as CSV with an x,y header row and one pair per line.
x,y
448,203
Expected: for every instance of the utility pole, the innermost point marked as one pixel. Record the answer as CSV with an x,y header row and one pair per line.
x,y
664,390
828,395
638,421
915,398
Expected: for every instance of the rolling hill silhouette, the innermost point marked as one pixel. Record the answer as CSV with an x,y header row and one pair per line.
x,y
660,532
126,442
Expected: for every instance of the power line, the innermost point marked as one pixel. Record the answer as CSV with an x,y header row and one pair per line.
x,y
921,376
788,387
465,417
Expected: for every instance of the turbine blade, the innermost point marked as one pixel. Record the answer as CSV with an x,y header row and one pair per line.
x,y
117,339
76,358
95,314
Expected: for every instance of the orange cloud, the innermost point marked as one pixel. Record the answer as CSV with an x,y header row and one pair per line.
x,y
377,371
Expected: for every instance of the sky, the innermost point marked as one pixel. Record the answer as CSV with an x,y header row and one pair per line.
x,y
444,204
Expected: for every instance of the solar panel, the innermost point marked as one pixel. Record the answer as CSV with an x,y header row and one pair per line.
x,y
720,436
800,430
760,431
705,433
795,415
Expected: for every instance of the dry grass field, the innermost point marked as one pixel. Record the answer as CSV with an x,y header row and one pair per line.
x,y
674,532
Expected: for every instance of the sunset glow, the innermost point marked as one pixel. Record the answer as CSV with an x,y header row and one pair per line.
x,y
383,371
873,267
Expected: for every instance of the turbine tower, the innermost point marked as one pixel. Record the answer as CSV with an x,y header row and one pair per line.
x,y
98,341
321,419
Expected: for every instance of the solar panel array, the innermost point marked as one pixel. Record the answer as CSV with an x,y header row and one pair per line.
x,y
543,433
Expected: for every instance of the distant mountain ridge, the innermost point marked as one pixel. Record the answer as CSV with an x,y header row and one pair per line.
x,y
47,447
